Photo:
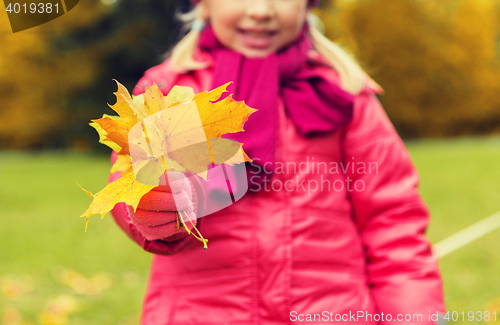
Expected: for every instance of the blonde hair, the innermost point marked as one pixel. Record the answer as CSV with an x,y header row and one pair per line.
x,y
352,76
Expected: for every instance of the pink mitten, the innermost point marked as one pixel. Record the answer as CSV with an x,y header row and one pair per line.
x,y
156,214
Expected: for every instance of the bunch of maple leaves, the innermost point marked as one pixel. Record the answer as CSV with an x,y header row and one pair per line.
x,y
156,134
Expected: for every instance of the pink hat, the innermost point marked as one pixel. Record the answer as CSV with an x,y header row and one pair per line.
x,y
312,3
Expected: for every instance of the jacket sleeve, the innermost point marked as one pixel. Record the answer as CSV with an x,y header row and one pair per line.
x,y
391,216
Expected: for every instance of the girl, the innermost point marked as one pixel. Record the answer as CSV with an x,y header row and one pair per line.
x,y
333,228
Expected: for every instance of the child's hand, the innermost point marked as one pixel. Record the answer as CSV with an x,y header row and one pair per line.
x,y
156,215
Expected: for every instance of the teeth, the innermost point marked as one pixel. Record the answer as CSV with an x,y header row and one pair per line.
x,y
259,34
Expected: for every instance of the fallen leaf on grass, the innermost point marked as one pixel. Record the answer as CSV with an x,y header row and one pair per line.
x,y
494,310
58,310
83,285
12,316
14,287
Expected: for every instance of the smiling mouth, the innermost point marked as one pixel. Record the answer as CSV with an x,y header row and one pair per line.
x,y
261,34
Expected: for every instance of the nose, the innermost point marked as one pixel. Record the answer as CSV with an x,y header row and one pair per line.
x,y
260,9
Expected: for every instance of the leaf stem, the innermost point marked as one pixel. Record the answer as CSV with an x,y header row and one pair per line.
x,y
185,227
192,233
211,153
203,240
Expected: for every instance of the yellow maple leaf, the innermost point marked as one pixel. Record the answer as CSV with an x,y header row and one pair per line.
x,y
224,116
125,189
113,133
154,134
184,132
179,95
122,164
124,106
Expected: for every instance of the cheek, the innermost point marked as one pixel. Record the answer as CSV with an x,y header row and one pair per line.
x,y
224,25
292,26
292,17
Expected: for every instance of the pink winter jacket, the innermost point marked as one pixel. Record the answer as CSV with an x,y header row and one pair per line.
x,y
340,237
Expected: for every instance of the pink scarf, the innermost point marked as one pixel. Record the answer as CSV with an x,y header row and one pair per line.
x,y
314,104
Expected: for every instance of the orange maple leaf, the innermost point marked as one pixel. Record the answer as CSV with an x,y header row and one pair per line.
x,y
154,134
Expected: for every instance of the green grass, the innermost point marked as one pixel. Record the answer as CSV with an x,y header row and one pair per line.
x,y
41,234
460,182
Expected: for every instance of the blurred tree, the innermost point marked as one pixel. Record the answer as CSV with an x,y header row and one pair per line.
x,y
56,77
132,38
33,80
438,60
